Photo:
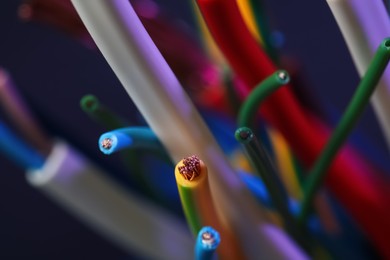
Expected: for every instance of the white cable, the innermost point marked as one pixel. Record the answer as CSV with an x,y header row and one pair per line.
x,y
364,24
124,42
131,222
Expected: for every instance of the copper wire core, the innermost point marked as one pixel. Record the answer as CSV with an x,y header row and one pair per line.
x,y
208,238
191,168
107,143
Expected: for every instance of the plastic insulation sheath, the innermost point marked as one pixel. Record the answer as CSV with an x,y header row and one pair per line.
x,y
260,161
91,105
188,203
134,137
206,251
250,107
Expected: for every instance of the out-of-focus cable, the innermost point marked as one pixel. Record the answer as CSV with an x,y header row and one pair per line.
x,y
21,115
128,220
207,242
19,152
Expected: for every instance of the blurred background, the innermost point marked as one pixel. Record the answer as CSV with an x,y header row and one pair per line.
x,y
53,71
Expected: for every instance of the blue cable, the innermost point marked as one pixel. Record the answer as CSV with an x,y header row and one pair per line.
x,y
206,243
134,137
17,151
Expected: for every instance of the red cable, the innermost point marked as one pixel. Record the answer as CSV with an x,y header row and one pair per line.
x,y
353,186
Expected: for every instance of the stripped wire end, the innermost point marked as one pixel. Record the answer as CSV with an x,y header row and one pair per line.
x,y
90,103
283,76
209,239
206,243
191,168
106,143
243,134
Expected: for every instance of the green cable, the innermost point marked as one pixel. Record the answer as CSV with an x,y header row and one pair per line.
x,y
91,105
190,210
263,165
262,25
350,117
247,113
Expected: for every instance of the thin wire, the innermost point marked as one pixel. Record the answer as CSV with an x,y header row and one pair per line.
x,y
260,161
135,137
249,109
349,119
263,165
91,105
207,242
122,138
129,137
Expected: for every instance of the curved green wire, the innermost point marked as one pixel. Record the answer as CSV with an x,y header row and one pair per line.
x,y
350,117
247,113
190,210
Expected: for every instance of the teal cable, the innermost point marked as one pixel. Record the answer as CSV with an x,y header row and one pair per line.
x,y
349,119
263,165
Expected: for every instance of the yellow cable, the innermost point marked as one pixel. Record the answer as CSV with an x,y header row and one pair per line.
x,y
193,185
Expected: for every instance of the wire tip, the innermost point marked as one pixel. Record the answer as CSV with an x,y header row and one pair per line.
x,y
386,43
243,134
209,237
107,143
283,76
89,102
191,168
